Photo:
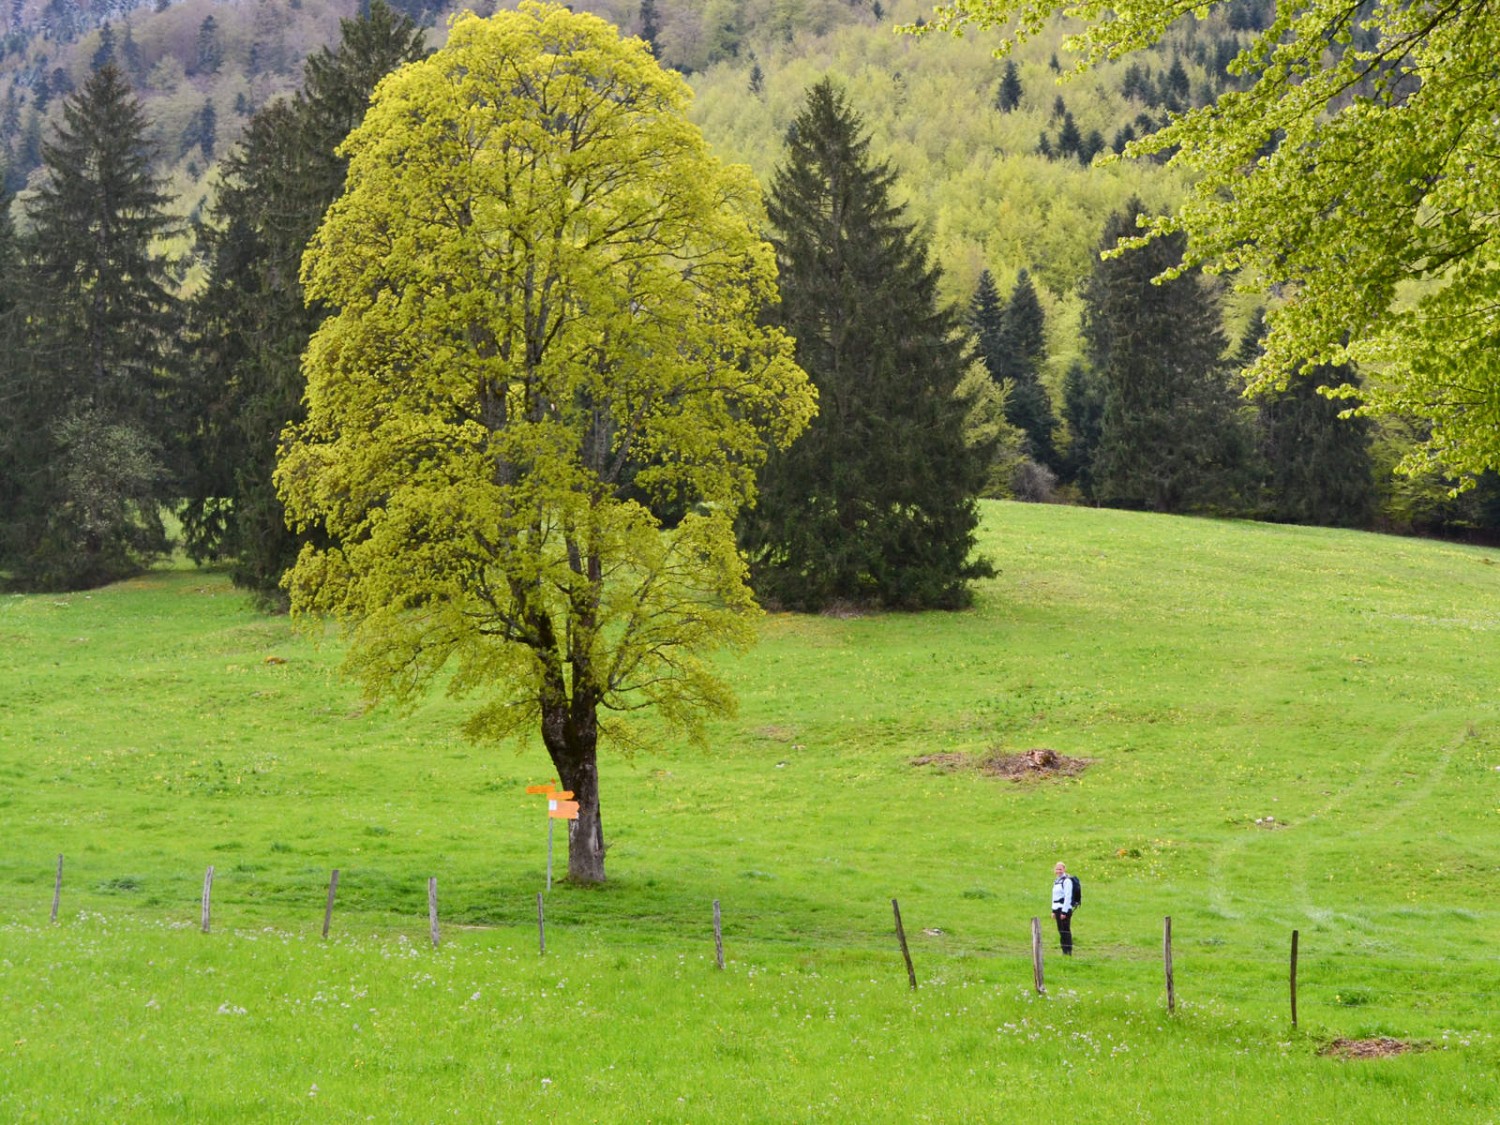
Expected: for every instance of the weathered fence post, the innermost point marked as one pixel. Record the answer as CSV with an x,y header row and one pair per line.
x,y
911,972
718,935
1294,978
541,925
432,920
1036,956
333,887
57,889
208,891
1166,948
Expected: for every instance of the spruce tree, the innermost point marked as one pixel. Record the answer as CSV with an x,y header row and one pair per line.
x,y
1083,411
1069,139
250,322
1172,436
874,505
987,319
1023,351
15,429
101,324
1319,468
1008,96
650,26
1013,345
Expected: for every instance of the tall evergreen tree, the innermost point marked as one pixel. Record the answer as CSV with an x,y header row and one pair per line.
x,y
14,429
650,27
1083,411
1172,436
1022,353
1319,468
1013,345
875,504
250,322
101,323
1008,96
987,319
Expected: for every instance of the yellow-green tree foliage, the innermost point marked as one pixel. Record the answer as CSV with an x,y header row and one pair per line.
x,y
1357,177
544,395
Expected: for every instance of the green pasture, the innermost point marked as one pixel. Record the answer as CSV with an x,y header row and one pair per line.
x,y
1287,729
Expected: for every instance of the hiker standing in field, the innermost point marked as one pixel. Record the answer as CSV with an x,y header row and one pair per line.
x,y
1066,895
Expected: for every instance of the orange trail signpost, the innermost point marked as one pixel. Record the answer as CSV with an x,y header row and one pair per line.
x,y
560,806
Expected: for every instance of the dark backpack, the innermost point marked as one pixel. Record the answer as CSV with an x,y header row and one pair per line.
x,y
1077,892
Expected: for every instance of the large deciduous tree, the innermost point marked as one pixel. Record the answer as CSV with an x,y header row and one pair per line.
x,y
1357,176
876,505
548,299
90,396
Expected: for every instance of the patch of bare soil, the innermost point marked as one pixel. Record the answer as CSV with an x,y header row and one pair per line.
x,y
1029,765
776,733
1379,1048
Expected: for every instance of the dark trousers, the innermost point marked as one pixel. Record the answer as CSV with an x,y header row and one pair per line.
x,y
1065,930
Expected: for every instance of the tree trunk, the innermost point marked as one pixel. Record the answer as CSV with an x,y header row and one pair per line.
x,y
572,740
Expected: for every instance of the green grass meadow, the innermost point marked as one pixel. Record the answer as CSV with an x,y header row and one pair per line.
x,y
1214,674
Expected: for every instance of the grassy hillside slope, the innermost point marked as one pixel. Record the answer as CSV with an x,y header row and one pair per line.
x,y
1214,674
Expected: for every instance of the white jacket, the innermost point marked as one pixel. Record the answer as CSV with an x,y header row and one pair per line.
x,y
1062,894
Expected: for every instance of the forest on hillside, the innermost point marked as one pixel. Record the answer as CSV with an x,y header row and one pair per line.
x,y
227,117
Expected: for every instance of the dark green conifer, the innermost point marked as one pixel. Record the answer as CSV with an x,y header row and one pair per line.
x,y
1020,359
1008,96
874,505
650,26
250,325
210,47
1069,139
1083,411
1173,438
94,384
1319,468
987,319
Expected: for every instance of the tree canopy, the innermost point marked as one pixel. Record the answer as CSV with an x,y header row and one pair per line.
x,y
548,299
1356,177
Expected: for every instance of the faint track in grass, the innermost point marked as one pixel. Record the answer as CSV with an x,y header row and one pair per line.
x,y
1373,770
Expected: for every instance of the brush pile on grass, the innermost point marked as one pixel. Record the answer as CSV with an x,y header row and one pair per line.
x,y
1028,765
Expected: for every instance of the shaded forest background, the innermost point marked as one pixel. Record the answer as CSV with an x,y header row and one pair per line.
x,y
995,162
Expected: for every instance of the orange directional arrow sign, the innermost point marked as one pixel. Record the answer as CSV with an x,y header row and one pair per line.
x,y
536,789
562,810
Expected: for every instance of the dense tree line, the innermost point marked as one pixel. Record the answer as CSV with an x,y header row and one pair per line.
x,y
121,401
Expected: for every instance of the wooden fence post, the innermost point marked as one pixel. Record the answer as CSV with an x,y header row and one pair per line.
x,y
1294,978
718,936
911,972
1166,949
333,887
1036,955
57,889
541,925
432,920
208,891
